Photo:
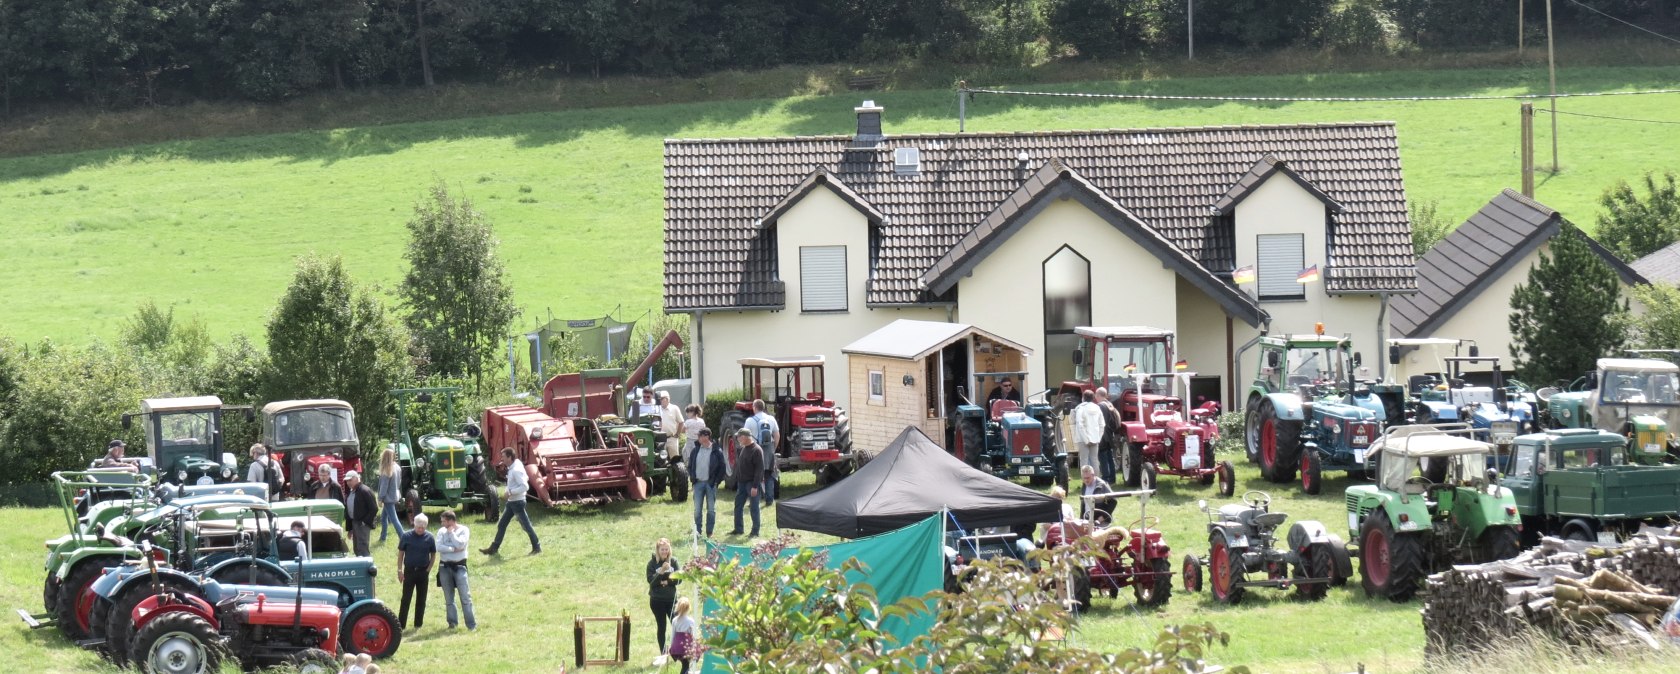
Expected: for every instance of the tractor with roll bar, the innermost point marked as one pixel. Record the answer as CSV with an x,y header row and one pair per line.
x,y
816,433
447,468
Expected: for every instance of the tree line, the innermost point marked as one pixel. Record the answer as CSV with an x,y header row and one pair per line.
x,y
117,53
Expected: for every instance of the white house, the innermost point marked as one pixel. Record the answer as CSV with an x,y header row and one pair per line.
x,y
805,244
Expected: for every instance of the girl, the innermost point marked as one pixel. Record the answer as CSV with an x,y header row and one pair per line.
x,y
662,588
691,429
685,639
390,491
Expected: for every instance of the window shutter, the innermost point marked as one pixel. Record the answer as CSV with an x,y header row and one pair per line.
x,y
1281,259
822,278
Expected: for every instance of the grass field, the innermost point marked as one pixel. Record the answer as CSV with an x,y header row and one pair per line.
x,y
213,224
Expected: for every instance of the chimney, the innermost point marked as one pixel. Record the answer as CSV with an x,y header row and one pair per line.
x,y
868,124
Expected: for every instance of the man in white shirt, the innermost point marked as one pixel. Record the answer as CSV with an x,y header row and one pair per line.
x,y
1087,429
768,435
670,423
452,569
513,505
645,406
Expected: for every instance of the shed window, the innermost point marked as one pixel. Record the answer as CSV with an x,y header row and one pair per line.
x,y
1281,259
822,278
877,386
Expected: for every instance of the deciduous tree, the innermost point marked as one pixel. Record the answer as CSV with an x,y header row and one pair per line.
x,y
1659,326
1569,313
459,303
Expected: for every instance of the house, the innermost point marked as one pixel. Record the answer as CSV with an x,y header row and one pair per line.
x,y
806,244
1465,280
1662,266
904,373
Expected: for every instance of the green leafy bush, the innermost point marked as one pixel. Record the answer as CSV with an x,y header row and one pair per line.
x,y
718,404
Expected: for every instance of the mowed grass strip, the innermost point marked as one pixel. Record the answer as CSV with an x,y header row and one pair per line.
x,y
214,225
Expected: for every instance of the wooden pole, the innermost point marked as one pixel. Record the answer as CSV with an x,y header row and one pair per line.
x,y
1520,4
1527,150
1190,29
1551,65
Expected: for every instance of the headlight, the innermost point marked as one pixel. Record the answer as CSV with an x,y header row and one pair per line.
x,y
227,472
805,435
181,475
421,462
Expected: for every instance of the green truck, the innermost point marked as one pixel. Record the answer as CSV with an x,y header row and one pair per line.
x,y
1585,484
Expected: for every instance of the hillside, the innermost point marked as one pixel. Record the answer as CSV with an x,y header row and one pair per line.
x,y
213,224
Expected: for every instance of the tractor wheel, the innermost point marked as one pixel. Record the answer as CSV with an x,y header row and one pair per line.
x,y
843,436
1280,445
1131,463
411,500
1227,479
657,484
1579,530
1251,430
1316,563
1147,479
1208,477
119,623
1343,562
1500,543
313,661
973,443
1390,565
1155,590
249,574
1081,589
732,421
1312,472
679,482
1224,571
371,629
49,594
479,483
75,600
177,643
1192,574
1062,473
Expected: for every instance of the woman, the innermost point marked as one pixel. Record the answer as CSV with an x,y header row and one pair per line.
x,y
662,588
390,492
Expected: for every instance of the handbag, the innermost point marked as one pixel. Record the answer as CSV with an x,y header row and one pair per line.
x,y
681,642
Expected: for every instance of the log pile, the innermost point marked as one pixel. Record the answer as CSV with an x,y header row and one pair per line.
x,y
1602,595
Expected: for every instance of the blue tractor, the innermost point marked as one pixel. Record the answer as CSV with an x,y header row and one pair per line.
x,y
1007,438
1307,413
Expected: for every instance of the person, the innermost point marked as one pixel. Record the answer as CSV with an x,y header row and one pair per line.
x,y
371,669
1087,428
360,506
264,470
662,588
1005,390
513,505
1091,484
325,486
114,457
296,541
769,437
691,426
1060,494
389,492
646,405
452,569
1112,438
684,634
707,470
349,663
364,662
749,469
416,553
671,424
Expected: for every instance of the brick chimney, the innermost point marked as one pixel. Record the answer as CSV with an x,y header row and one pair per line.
x,y
868,124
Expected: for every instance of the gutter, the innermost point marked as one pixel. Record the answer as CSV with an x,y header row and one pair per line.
x,y
1382,336
1236,360
699,386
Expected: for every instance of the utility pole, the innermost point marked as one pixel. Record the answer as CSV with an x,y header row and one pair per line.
x,y
1551,65
1527,150
1520,4
1190,30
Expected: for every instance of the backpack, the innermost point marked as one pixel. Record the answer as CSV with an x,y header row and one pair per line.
x,y
766,433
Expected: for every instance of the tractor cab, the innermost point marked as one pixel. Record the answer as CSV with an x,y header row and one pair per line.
x,y
303,435
1637,398
792,389
184,438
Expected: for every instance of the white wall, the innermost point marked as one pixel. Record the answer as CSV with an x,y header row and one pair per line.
x,y
1201,333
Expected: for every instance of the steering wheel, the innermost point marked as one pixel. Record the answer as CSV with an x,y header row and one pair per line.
x,y
1257,499
1148,523
1421,480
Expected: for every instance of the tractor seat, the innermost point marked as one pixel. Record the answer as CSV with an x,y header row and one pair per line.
x,y
1269,520
1001,407
1153,536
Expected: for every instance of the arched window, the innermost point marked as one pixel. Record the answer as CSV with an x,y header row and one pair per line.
x,y
1067,305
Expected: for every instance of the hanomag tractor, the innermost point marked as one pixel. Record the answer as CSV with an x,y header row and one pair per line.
x,y
1409,526
1135,555
1007,439
1158,436
303,435
1586,483
447,468
1635,398
184,436
1307,412
1242,542
815,432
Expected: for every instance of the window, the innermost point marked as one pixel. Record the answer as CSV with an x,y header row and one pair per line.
x,y
877,387
1067,305
1281,257
822,278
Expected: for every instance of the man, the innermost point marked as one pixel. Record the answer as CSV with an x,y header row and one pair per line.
x,y
1091,484
114,457
324,485
749,469
296,542
706,471
265,471
768,434
646,405
1005,390
513,505
1113,436
1087,428
360,509
670,423
452,569
416,553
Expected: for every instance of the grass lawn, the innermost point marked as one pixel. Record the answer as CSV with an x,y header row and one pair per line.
x,y
214,224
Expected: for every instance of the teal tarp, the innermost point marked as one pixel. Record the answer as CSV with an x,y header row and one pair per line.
x,y
898,564
602,339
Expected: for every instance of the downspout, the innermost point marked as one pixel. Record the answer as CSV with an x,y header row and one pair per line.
x,y
1382,337
700,357
1236,360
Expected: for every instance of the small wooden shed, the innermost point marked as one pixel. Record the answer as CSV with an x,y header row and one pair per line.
x,y
908,374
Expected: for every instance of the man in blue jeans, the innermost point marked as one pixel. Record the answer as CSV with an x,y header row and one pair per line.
x,y
749,473
707,469
518,483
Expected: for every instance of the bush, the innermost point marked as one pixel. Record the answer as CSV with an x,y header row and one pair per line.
x,y
1231,432
1428,227
1454,23
1635,226
718,404
1361,26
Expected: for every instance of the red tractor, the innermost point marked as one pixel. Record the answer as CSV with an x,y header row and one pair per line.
x,y
815,432
1135,555
1159,438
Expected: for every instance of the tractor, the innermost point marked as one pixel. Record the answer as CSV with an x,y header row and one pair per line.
x,y
1635,398
1242,541
1585,484
1007,439
303,435
610,421
1496,411
447,468
1307,412
815,433
1158,437
1409,526
1135,555
184,436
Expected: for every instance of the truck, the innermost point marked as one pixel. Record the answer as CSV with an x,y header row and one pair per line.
x,y
1587,484
303,435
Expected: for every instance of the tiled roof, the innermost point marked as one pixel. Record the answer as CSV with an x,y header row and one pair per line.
x,y
1663,265
1257,176
716,191
1487,246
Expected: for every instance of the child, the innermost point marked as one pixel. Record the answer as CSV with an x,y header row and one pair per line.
x,y
363,662
684,639
372,669
691,428
349,666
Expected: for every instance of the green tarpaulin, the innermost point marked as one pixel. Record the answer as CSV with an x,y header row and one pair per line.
x,y
602,339
902,563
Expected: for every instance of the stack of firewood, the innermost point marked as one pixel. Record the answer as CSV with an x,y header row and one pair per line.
x,y
1597,594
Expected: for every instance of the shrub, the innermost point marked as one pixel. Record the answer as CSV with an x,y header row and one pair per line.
x,y
1428,227
1635,226
1361,26
718,404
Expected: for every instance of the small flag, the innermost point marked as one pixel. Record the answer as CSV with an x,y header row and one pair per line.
x,y
1181,365
1243,275
1308,275
1130,367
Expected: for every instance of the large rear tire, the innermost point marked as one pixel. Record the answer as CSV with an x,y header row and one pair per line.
x,y
75,599
119,623
1280,445
679,483
1155,590
1390,565
1251,430
1312,472
49,594
973,443
371,629
177,643
1501,543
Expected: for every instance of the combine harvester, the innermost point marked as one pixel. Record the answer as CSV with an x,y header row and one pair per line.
x,y
571,453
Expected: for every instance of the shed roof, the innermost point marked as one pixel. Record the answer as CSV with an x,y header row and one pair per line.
x,y
908,339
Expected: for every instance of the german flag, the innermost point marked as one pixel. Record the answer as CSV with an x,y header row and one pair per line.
x,y
1243,275
1181,365
1308,275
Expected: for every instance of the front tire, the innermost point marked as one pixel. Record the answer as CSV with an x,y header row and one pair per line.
x,y
1157,589
1312,472
1147,480
679,483
1081,590
313,661
1131,463
1251,430
371,629
1224,571
1192,571
411,500
1227,479
1390,565
177,643
119,623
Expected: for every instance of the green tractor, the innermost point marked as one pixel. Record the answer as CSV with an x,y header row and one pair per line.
x,y
446,469
184,436
1635,397
1409,526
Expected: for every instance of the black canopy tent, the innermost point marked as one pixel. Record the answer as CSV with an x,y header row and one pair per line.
x,y
908,481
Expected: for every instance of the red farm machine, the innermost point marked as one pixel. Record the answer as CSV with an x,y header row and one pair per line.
x,y
1161,437
578,449
815,433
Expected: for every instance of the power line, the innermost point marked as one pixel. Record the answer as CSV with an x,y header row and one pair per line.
x,y
1319,99
1625,22
1619,119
